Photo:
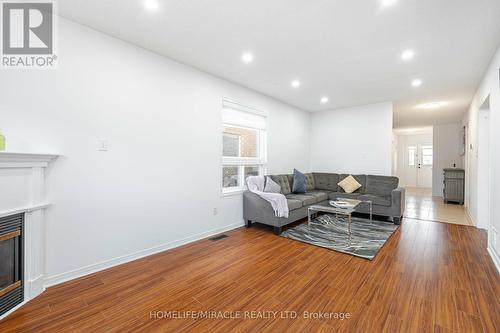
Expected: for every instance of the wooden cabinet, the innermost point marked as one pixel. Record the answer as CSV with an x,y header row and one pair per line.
x,y
454,185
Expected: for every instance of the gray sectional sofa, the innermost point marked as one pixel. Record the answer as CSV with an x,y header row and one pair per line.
x,y
387,198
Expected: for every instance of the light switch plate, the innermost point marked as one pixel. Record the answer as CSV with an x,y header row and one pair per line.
x,y
102,145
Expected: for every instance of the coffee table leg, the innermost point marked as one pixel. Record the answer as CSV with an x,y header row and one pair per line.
x,y
349,221
371,211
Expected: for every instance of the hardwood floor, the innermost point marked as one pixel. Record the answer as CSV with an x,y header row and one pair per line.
x,y
428,277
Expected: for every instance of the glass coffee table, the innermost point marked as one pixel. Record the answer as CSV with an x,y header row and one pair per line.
x,y
327,208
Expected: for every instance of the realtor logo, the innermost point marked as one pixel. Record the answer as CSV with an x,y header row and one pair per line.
x,y
28,34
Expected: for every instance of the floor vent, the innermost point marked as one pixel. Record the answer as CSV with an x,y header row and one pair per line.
x,y
218,237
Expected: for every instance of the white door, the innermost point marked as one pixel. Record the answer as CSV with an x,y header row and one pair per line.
x,y
418,166
411,165
424,167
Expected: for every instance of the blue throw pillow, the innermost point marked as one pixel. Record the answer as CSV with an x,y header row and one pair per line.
x,y
299,182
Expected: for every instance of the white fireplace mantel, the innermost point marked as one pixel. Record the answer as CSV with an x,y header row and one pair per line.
x,y
22,190
24,160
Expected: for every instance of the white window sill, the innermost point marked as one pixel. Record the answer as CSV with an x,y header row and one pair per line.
x,y
229,193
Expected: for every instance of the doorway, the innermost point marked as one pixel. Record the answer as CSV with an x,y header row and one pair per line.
x,y
421,155
483,167
415,157
419,159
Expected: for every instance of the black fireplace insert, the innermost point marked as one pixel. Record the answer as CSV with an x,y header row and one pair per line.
x,y
11,261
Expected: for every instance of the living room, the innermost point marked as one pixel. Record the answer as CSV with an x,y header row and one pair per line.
x,y
130,129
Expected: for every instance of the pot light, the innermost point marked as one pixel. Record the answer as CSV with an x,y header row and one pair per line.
x,y
247,57
295,83
431,105
151,5
408,55
388,3
416,83
324,99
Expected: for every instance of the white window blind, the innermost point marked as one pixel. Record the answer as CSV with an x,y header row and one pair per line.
x,y
242,116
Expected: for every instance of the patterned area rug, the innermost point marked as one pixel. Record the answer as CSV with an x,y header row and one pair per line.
x,y
366,239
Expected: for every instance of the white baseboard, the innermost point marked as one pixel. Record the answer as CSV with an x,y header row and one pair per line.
x,y
35,287
79,272
494,257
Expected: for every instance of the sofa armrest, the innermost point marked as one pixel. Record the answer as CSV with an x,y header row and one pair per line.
x,y
398,200
255,208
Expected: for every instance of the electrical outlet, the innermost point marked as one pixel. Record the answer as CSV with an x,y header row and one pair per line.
x,y
216,211
102,145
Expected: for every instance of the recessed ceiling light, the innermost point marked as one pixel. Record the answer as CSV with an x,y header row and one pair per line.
x,y
247,57
388,3
324,99
431,105
151,5
295,83
408,55
416,83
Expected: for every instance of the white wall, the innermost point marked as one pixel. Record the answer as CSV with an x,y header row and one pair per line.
x,y
159,182
446,142
353,140
488,87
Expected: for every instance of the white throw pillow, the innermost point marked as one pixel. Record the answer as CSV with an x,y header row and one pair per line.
x,y
349,184
271,186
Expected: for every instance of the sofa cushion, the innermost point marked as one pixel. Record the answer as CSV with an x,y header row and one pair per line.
x,y
361,179
349,184
293,204
284,182
381,185
336,195
271,186
376,200
299,182
309,181
326,181
320,195
305,199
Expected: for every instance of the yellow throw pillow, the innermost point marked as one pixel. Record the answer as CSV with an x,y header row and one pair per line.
x,y
349,184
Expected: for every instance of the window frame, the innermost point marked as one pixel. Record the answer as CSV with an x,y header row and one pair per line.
x,y
427,147
412,156
259,161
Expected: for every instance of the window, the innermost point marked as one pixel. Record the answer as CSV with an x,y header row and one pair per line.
x,y
231,143
412,154
427,155
243,145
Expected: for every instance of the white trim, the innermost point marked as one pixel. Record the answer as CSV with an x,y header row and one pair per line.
x,y
227,103
26,209
494,257
24,160
468,215
226,192
248,161
79,272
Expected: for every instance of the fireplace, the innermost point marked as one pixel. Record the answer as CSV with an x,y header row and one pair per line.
x,y
11,261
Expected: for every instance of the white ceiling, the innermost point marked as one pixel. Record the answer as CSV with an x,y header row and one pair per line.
x,y
348,50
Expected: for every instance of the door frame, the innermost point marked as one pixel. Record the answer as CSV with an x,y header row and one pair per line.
x,y
418,164
483,188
